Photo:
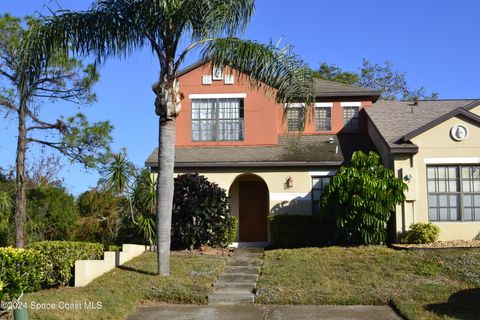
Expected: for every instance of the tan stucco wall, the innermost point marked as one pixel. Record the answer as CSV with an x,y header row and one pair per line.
x,y
437,147
475,110
293,200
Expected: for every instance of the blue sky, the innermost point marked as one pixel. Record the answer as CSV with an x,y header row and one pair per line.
x,y
435,42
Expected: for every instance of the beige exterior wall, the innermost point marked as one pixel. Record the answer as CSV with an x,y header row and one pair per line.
x,y
436,147
476,110
294,200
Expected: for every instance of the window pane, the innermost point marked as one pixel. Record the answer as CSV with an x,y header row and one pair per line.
x,y
432,200
295,118
323,116
351,119
217,119
467,214
432,214
431,173
443,214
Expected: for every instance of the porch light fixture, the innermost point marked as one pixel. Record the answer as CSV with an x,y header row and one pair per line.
x,y
408,177
288,182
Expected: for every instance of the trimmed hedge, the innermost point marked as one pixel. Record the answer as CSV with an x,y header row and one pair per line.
x,y
59,258
21,271
294,231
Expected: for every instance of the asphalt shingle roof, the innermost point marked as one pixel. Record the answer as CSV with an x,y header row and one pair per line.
x,y
395,119
311,150
329,88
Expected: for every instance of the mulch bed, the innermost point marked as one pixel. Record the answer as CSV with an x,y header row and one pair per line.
x,y
208,251
453,244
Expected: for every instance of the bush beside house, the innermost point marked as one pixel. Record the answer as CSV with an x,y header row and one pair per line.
x,y
421,233
201,215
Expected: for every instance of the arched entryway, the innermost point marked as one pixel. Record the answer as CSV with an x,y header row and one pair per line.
x,y
251,195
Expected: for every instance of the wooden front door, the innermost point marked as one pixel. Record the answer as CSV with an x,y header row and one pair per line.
x,y
253,207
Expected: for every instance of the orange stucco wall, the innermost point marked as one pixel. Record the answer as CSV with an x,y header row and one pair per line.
x,y
263,117
260,115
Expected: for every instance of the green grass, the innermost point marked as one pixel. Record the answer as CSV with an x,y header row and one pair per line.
x,y
440,284
122,289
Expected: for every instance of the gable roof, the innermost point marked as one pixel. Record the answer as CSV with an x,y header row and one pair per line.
x,y
399,121
323,88
330,89
312,150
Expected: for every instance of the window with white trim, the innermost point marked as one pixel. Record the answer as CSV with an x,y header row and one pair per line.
x,y
318,186
217,119
453,192
351,119
323,118
295,117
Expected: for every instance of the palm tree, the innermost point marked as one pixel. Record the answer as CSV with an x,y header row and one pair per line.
x,y
112,28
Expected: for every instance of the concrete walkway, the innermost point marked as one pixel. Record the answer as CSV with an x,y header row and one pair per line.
x,y
263,312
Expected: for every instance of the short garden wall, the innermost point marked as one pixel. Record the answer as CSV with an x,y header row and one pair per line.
x,y
87,270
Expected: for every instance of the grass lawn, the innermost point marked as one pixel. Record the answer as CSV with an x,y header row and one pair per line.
x,y
440,284
122,289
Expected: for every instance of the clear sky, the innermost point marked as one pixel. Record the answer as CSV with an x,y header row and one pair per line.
x,y
437,42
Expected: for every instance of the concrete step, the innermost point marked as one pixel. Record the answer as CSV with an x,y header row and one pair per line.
x,y
238,262
248,250
242,269
231,298
249,286
238,278
251,255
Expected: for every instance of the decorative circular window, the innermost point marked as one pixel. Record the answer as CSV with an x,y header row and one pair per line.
x,y
459,132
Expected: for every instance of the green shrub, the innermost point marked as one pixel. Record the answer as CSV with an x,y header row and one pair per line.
x,y
362,198
201,215
52,213
60,258
21,271
232,230
421,233
293,231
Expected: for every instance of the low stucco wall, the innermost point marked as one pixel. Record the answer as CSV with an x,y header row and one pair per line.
x,y
87,270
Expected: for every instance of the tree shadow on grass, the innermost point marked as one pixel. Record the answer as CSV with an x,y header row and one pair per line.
x,y
137,270
461,305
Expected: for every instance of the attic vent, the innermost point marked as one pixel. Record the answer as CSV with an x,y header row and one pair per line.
x,y
207,79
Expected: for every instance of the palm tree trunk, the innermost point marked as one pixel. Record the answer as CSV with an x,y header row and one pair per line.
x,y
166,158
20,198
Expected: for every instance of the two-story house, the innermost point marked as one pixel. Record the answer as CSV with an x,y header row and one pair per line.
x,y
238,137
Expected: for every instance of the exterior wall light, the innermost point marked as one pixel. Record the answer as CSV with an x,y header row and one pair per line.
x,y
288,182
408,177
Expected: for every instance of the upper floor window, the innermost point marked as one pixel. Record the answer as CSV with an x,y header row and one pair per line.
x,y
323,117
217,119
295,117
453,193
351,118
318,186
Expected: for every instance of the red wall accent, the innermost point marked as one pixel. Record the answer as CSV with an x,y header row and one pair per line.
x,y
262,116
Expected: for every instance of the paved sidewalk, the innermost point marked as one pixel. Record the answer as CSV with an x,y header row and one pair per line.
x,y
264,312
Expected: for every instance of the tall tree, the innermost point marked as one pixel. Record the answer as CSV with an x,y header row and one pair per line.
x,y
375,76
118,27
25,87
